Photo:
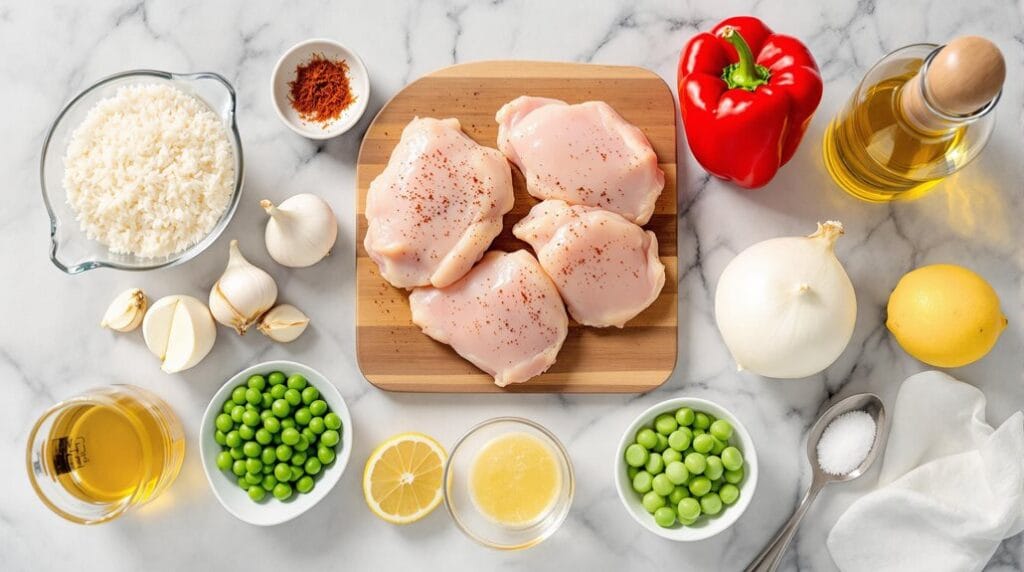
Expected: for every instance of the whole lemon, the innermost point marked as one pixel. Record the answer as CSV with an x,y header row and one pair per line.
x,y
945,315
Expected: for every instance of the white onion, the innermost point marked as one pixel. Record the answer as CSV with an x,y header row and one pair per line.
x,y
785,306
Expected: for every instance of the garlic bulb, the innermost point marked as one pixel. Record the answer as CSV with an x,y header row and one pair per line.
x,y
301,230
785,306
283,323
242,293
125,313
180,331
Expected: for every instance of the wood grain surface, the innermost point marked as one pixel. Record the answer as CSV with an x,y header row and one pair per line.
x,y
392,352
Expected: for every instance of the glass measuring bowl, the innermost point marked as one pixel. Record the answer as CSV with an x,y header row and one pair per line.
x,y
70,249
94,456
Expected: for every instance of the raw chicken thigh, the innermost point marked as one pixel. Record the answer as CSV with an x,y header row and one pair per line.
x,y
605,267
584,154
505,316
437,205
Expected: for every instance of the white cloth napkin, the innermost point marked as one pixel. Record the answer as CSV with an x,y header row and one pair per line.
x,y
950,489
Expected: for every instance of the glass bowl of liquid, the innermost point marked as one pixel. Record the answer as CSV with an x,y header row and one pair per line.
x,y
509,483
93,457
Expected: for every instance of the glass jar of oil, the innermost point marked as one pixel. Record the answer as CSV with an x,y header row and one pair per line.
x,y
96,455
891,141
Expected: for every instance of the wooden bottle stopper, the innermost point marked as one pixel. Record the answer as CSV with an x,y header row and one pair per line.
x,y
961,79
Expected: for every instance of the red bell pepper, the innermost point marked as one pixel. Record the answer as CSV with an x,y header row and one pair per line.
x,y
744,115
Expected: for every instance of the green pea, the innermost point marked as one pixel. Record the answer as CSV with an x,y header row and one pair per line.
x,y
325,454
251,418
665,424
711,504
703,443
734,476
224,460
251,407
293,397
302,416
642,482
652,501
238,468
331,438
714,468
284,452
244,484
268,469
228,406
238,395
665,517
636,455
272,424
729,493
257,382
267,400
316,425
700,486
237,452
702,421
290,436
671,456
662,485
287,422
331,420
662,443
296,382
677,494
304,485
266,414
280,408
282,491
236,413
297,473
282,472
268,456
688,508
253,396
680,439
253,466
715,485
220,437
252,449
684,416
299,459
223,422
278,391
310,394
312,466
263,437
677,473
253,478
647,438
655,464
309,435
686,521
302,445
721,429
698,432
269,481
276,378
632,472
719,446
246,433
319,407
695,463
732,459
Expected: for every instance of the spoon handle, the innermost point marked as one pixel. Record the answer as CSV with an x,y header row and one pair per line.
x,y
770,558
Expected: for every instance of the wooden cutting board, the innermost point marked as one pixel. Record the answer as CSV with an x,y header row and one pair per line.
x,y
392,352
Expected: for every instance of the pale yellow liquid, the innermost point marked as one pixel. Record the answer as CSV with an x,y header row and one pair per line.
x,y
515,479
875,155
111,453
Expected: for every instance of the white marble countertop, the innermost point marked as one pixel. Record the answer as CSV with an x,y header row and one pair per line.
x,y
51,346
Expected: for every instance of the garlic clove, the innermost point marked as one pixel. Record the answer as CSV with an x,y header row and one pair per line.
x,y
301,230
180,331
283,323
243,292
126,311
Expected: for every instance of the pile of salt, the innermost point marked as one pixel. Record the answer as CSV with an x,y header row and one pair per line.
x,y
846,442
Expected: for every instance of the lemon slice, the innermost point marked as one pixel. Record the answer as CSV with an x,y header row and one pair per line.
x,y
402,478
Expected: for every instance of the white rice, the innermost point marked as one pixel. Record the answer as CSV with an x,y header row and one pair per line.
x,y
149,171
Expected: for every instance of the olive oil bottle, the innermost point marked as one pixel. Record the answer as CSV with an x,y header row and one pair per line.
x,y
921,114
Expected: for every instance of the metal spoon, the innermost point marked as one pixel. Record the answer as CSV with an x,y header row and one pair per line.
x,y
770,558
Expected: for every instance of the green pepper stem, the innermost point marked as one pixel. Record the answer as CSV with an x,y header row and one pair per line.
x,y
744,74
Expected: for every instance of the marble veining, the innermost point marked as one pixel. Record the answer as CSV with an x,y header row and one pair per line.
x,y
51,346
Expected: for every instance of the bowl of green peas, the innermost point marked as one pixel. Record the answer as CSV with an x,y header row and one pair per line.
x,y
686,469
274,441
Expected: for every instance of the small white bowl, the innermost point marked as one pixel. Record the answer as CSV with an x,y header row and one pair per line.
x,y
284,73
705,527
272,511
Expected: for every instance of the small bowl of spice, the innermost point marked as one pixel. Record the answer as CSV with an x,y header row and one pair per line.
x,y
320,88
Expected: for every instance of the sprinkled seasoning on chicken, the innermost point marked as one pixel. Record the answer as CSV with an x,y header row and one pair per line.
x,y
605,267
584,154
437,205
505,316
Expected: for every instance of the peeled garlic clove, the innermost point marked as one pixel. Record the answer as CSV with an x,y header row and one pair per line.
x,y
284,323
125,313
180,331
242,294
301,230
